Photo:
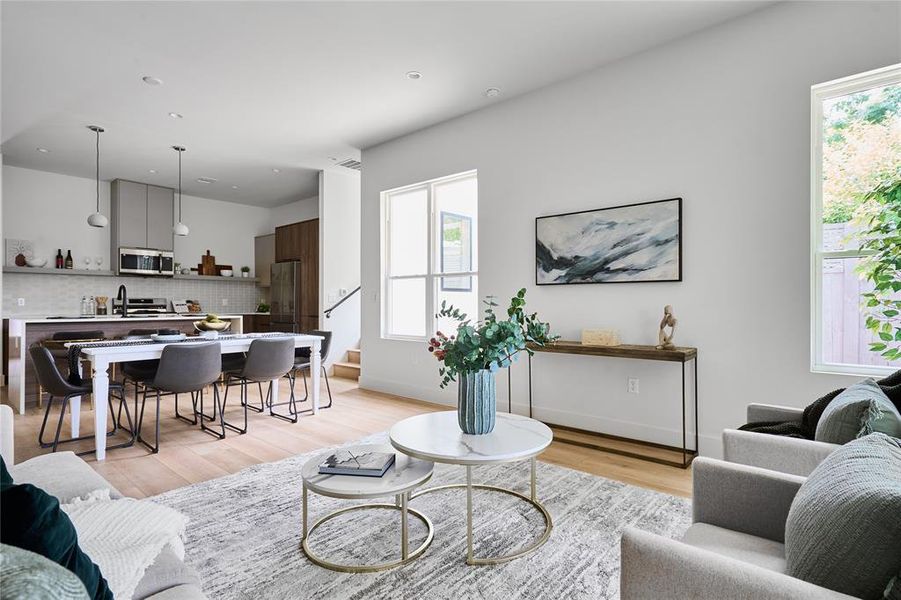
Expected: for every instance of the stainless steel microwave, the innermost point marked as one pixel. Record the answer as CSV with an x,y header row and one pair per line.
x,y
143,261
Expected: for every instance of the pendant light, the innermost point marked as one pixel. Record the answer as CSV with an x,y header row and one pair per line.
x,y
97,219
180,228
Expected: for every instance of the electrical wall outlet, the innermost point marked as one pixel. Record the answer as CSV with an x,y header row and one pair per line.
x,y
20,301
225,302
633,385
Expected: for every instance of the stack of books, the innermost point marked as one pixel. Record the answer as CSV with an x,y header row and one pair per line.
x,y
364,464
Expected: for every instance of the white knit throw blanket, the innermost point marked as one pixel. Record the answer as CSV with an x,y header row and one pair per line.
x,y
123,537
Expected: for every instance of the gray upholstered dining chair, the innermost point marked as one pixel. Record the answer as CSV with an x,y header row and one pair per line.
x,y
302,364
60,353
186,368
53,382
267,359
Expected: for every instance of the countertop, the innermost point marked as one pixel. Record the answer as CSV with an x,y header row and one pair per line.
x,y
114,319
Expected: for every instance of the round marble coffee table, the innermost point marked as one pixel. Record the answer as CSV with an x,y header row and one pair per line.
x,y
437,437
406,474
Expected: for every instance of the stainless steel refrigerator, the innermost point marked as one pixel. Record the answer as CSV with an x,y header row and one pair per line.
x,y
294,302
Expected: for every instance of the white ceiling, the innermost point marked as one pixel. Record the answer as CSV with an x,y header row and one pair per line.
x,y
287,85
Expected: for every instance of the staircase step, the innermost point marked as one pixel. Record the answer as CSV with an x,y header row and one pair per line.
x,y
347,370
353,355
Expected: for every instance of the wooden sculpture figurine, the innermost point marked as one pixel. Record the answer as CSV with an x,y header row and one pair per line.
x,y
664,340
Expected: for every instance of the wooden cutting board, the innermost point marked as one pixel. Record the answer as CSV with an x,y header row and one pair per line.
x,y
208,264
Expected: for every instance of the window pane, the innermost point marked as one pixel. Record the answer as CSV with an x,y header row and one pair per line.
x,y
457,207
845,339
406,306
456,246
467,300
861,148
408,234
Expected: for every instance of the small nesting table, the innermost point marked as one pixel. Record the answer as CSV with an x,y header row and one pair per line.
x,y
437,437
405,475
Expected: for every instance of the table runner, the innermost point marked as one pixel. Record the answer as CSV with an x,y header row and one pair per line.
x,y
75,350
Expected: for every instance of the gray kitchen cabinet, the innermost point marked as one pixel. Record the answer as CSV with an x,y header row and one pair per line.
x,y
263,257
129,211
141,216
160,204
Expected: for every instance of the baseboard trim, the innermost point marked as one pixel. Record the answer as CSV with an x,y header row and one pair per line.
x,y
710,445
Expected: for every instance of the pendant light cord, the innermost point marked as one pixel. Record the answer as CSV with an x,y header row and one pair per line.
x,y
179,185
97,173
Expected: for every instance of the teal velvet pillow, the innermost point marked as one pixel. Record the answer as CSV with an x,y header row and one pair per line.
x,y
31,519
844,525
861,409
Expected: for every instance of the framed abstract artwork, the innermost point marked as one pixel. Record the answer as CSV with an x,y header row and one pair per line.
x,y
621,244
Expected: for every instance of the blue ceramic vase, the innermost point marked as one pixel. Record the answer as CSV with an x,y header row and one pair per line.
x,y
476,402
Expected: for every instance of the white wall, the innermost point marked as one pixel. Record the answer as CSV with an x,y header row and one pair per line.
x,y
339,235
301,210
721,119
225,228
52,210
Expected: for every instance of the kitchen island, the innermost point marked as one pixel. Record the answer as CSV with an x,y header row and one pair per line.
x,y
22,332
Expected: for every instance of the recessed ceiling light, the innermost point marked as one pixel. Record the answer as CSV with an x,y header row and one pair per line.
x,y
276,171
42,150
414,75
234,187
206,180
332,158
152,80
152,171
492,92
176,115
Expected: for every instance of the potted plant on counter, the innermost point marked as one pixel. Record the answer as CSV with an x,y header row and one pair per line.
x,y
245,271
478,350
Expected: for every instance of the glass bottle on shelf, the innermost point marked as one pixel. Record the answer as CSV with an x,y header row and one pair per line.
x,y
59,259
70,264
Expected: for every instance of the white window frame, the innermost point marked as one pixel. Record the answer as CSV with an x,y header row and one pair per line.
x,y
433,273
819,93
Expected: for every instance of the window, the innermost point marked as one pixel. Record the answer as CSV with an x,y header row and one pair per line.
x,y
429,254
856,150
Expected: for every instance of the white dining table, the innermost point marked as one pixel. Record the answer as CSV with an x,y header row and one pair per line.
x,y
101,355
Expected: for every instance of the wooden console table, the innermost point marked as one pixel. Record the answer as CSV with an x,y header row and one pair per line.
x,y
681,355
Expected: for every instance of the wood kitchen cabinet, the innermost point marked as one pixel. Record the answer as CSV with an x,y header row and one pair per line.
x,y
256,323
141,216
263,257
300,242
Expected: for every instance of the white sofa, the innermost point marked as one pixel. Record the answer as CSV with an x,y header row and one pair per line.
x,y
66,476
778,453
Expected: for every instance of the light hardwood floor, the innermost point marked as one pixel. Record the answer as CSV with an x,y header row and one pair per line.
x,y
188,455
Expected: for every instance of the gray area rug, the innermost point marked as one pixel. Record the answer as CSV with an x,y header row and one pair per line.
x,y
244,533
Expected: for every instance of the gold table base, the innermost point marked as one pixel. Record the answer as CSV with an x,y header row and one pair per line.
x,y
532,499
406,555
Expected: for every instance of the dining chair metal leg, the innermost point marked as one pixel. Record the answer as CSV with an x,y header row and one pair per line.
x,y
221,409
178,415
244,405
293,413
155,448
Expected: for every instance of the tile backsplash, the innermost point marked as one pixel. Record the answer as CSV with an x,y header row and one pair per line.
x,y
51,294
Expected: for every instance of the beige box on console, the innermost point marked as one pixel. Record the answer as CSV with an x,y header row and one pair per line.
x,y
600,337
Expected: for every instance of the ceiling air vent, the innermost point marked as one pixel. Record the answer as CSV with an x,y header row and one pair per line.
x,y
206,180
350,163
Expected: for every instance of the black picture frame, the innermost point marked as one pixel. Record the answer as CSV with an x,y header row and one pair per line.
x,y
679,276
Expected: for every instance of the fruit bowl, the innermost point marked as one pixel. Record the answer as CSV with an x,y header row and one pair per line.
x,y
36,262
212,325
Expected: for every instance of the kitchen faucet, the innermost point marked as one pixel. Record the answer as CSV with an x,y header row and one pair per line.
x,y
122,295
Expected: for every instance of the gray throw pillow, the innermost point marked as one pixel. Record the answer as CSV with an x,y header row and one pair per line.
x,y
844,525
861,409
25,575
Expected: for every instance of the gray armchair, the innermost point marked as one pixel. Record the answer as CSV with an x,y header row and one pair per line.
x,y
734,549
785,454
